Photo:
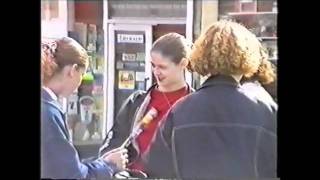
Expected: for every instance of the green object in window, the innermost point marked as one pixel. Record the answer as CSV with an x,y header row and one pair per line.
x,y
87,78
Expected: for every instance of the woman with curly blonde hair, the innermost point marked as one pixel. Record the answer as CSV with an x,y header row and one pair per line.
x,y
229,48
224,52
222,130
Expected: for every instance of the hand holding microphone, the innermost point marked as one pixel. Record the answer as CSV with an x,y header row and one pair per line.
x,y
119,156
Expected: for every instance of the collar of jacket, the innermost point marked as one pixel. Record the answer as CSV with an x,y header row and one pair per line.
x,y
142,109
145,93
190,89
220,80
46,98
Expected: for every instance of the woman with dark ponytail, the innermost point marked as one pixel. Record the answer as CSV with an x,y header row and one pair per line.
x,y
63,63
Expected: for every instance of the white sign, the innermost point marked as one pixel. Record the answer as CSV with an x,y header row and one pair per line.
x,y
140,76
140,56
130,38
128,57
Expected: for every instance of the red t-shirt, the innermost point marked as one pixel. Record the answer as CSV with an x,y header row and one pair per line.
x,y
161,101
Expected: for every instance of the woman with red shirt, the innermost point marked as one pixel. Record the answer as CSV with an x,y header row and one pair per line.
x,y
169,59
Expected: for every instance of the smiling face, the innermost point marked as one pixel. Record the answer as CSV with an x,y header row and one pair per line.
x,y
166,71
169,58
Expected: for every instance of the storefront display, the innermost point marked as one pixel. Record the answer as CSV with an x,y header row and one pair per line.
x,y
86,107
260,19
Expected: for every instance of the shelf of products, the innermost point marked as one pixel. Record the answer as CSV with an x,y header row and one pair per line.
x,y
252,13
260,17
271,47
90,142
262,23
86,106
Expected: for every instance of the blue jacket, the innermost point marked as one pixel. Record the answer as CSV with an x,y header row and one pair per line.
x,y
59,158
223,130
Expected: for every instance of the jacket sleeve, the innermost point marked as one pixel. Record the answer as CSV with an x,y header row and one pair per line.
x,y
60,160
159,160
121,127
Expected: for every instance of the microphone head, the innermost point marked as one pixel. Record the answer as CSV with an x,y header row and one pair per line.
x,y
151,114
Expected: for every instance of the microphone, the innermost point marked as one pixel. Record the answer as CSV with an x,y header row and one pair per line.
x,y
143,123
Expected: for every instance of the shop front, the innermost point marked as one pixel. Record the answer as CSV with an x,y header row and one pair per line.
x,y
132,28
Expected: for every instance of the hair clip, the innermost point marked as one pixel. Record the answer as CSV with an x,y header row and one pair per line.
x,y
49,49
52,46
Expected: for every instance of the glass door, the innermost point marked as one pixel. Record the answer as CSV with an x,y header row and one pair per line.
x,y
129,68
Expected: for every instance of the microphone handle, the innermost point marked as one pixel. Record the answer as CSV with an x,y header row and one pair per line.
x,y
131,137
137,130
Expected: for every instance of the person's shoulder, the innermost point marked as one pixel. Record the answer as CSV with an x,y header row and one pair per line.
x,y
50,112
140,94
257,93
49,108
136,95
182,102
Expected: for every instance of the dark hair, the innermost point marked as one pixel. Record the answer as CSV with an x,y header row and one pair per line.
x,y
172,45
59,53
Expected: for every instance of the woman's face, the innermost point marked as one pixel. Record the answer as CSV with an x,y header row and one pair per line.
x,y
166,71
73,76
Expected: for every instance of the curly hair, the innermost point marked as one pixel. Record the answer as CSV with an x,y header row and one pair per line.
x,y
59,53
229,48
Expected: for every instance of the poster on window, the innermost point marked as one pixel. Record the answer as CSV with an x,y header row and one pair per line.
x,y
126,80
